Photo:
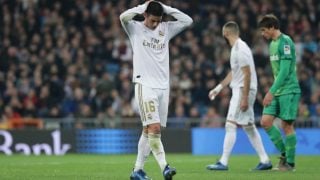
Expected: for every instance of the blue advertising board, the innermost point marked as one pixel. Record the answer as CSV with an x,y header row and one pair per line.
x,y
107,141
209,141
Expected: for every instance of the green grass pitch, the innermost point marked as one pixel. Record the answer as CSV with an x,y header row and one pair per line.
x,y
114,167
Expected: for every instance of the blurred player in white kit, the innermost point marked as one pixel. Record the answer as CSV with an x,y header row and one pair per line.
x,y
243,82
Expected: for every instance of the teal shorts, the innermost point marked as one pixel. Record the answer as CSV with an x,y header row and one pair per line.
x,y
284,107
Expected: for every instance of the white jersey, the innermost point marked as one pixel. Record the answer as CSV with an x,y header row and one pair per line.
x,y
151,47
241,56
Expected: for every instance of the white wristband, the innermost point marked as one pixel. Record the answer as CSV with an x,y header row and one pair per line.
x,y
215,91
218,88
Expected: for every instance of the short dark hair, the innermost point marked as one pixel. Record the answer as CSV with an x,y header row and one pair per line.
x,y
154,8
269,21
232,27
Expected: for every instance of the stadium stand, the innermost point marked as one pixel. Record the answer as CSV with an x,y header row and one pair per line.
x,y
70,61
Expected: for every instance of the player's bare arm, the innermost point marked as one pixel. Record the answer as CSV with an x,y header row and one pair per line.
x,y
246,87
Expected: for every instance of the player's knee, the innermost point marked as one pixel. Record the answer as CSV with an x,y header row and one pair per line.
x,y
230,126
154,128
145,130
266,122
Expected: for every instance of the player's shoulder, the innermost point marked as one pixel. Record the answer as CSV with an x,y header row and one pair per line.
x,y
285,39
285,36
241,45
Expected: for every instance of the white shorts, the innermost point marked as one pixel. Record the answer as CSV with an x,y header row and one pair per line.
x,y
153,104
234,112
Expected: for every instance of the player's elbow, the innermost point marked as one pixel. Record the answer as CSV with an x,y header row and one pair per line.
x,y
189,21
122,17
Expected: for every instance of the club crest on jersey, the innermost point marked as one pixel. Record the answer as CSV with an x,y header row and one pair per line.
x,y
286,49
161,33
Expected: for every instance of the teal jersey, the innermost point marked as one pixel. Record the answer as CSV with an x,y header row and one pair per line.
x,y
283,63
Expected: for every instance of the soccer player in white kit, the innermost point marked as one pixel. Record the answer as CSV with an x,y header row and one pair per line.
x,y
243,82
150,43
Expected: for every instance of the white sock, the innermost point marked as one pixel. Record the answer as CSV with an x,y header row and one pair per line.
x,y
256,142
229,140
143,151
157,149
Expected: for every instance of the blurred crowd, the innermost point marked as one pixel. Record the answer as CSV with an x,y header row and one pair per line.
x,y
71,59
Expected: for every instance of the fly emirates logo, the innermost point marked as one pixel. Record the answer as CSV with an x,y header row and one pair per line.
x,y
154,44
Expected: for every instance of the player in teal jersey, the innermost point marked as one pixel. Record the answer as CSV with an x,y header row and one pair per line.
x,y
282,99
